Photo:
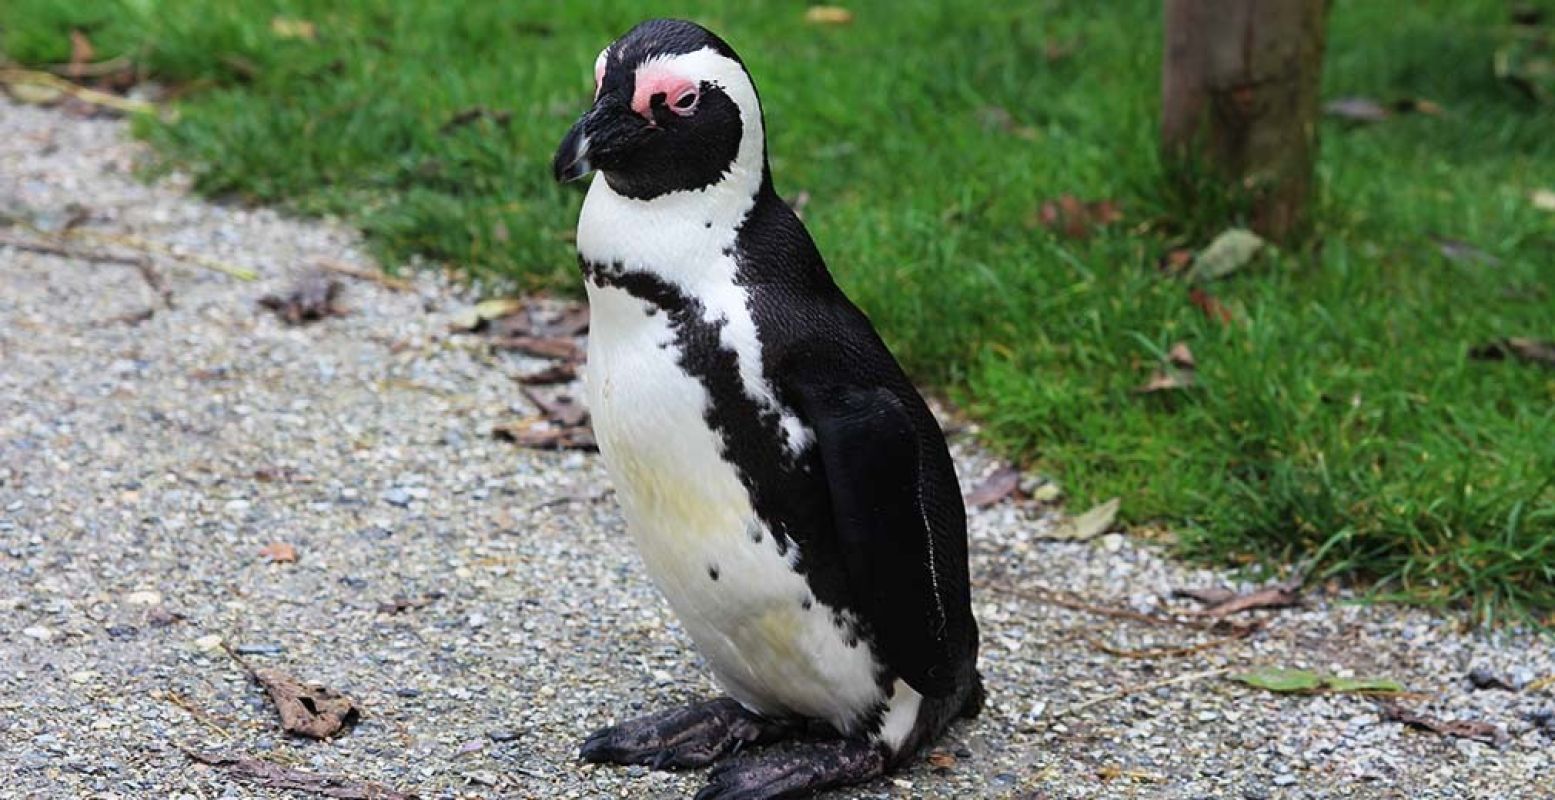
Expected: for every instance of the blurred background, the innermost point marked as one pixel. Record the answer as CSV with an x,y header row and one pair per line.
x,y
1296,308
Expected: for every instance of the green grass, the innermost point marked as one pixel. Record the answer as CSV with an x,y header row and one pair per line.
x,y
1339,419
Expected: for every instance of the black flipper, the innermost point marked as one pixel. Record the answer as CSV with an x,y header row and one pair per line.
x,y
905,554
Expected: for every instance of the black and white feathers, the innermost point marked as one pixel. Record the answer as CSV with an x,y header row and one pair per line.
x,y
789,490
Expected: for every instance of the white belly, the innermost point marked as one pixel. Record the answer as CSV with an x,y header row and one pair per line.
x,y
770,644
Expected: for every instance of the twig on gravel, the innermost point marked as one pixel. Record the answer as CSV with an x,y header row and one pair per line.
x,y
97,69
1046,596
200,715
13,76
270,775
1171,652
1143,687
386,281
147,246
53,249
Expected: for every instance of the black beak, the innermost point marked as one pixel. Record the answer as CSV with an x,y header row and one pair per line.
x,y
603,138
572,156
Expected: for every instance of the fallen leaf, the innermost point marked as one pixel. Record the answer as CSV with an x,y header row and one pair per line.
x,y
1089,525
1167,380
289,28
1281,595
1542,199
556,373
1209,596
402,604
313,297
1463,729
311,710
1176,261
828,15
1533,351
1283,680
1417,105
542,347
1463,252
1004,482
81,53
279,553
941,759
476,317
1209,305
1181,356
1077,219
1363,685
269,775
1357,109
542,435
1232,250
560,407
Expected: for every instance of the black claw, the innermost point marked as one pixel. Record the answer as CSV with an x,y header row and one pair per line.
x,y
662,759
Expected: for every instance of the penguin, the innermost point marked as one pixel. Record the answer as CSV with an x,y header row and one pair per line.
x,y
790,493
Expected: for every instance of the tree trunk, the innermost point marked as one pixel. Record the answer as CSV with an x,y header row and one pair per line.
x,y
1240,102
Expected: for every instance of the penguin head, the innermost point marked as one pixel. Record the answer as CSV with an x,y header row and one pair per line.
x,y
674,111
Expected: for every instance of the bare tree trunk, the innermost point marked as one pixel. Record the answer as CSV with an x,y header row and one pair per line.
x,y
1240,99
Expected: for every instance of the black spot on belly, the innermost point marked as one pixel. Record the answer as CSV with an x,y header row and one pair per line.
x,y
807,603
712,571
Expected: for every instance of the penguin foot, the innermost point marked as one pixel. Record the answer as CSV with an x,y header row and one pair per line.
x,y
683,738
798,772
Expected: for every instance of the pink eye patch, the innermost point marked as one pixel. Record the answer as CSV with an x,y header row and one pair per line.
x,y
680,93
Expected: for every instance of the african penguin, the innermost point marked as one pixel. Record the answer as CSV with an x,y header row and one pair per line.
x,y
790,492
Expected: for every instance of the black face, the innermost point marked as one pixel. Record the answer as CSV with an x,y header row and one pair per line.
x,y
684,137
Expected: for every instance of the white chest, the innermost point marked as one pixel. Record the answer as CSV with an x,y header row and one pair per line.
x,y
770,643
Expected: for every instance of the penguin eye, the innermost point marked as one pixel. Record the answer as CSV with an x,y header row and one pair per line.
x,y
686,103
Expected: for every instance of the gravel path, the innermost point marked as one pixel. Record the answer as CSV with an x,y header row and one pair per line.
x,y
144,464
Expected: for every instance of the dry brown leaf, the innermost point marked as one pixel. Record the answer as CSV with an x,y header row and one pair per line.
x,y
1176,261
1181,356
313,297
402,604
942,759
1167,380
1209,305
290,28
1463,729
1209,596
311,710
269,775
1004,482
542,347
279,553
81,53
1281,595
1534,351
563,372
1074,218
543,435
828,15
560,407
